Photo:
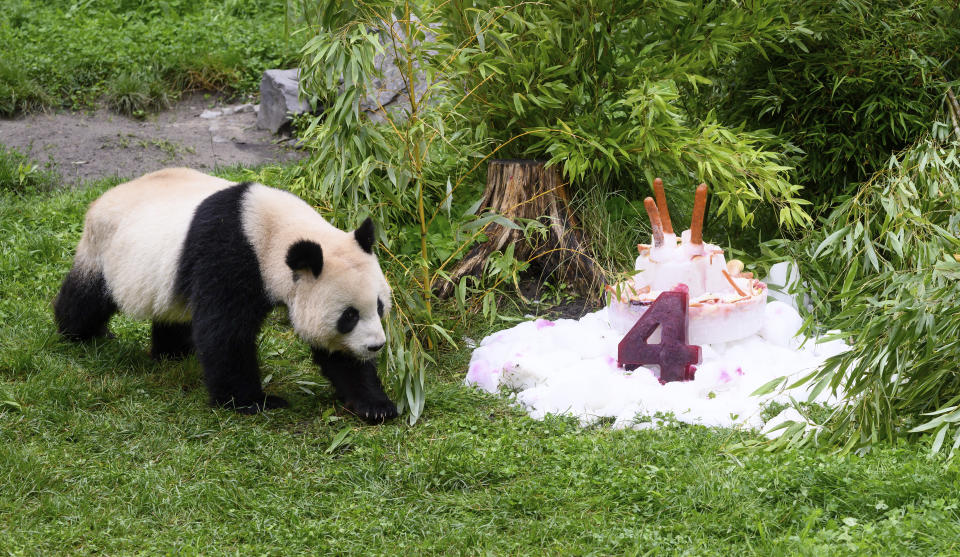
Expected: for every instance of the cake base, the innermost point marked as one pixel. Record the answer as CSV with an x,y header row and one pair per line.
x,y
722,319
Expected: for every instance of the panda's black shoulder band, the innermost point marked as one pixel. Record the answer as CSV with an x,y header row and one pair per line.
x,y
304,255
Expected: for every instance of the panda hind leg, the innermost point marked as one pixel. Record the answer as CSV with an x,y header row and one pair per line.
x,y
357,385
172,341
83,306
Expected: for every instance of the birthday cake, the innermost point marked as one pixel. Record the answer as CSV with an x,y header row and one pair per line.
x,y
725,303
580,368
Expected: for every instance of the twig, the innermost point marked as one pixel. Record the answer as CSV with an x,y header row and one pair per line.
x,y
953,108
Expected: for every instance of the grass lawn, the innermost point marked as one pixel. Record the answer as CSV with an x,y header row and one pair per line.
x,y
135,55
104,451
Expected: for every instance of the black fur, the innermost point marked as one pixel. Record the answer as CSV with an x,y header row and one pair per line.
x,y
84,306
171,340
348,320
220,279
364,235
305,255
356,384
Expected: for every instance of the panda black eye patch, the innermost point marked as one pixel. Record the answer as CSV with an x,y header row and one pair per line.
x,y
379,307
348,320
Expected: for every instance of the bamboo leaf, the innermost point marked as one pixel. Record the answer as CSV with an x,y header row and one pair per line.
x,y
830,240
938,440
769,386
342,437
851,275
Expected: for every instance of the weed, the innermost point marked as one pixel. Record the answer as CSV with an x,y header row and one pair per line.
x,y
210,71
18,174
136,93
18,91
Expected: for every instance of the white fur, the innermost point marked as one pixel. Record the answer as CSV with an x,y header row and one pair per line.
x,y
134,234
274,220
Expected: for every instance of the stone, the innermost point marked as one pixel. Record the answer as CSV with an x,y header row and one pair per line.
x,y
279,99
247,107
279,89
389,89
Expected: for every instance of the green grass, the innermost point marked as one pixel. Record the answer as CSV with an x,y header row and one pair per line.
x,y
104,451
137,54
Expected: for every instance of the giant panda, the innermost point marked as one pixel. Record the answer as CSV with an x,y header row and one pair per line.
x,y
206,260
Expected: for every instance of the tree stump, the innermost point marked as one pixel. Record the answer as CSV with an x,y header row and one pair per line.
x,y
526,189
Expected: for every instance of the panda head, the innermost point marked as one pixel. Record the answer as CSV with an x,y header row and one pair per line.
x,y
339,294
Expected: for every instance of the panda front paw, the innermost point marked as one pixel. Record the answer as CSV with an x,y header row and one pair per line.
x,y
373,411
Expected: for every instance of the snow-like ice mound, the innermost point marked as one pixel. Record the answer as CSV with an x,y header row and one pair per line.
x,y
570,367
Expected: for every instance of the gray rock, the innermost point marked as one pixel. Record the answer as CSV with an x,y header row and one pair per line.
x,y
279,99
389,92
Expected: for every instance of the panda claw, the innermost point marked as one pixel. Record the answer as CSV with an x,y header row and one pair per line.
x,y
373,412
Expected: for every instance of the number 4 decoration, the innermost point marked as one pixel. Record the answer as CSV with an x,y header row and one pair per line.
x,y
675,357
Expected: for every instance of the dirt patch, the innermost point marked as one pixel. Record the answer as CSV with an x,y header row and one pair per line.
x,y
551,303
197,132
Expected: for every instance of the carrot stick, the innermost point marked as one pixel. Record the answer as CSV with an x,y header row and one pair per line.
x,y
699,204
733,283
655,225
662,205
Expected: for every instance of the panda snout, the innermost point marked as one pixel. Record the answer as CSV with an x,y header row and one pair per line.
x,y
374,348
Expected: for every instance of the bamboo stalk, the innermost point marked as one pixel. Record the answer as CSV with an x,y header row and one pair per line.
x,y
953,108
953,101
655,225
699,205
662,205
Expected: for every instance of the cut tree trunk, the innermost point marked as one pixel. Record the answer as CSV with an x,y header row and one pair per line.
x,y
526,189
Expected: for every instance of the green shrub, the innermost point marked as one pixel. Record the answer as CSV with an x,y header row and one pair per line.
x,y
883,267
618,93
865,79
605,89
208,71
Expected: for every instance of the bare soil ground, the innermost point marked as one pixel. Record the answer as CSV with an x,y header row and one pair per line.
x,y
198,132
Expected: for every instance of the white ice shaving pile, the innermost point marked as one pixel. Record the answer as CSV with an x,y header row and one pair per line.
x,y
570,367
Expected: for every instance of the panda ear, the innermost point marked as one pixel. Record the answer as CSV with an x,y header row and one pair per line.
x,y
305,255
364,235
